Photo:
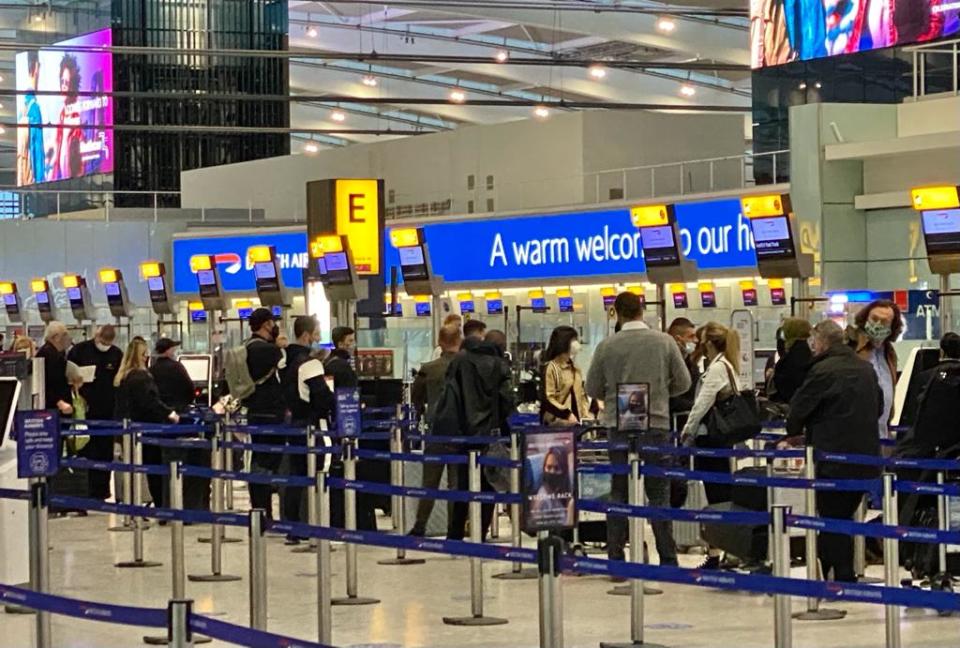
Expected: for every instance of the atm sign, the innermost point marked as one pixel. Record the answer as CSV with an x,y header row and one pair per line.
x,y
358,217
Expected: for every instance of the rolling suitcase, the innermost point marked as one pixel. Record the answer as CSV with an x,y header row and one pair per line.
x,y
687,534
748,543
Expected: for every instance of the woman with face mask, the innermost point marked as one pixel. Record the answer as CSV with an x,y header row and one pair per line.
x,y
563,400
878,326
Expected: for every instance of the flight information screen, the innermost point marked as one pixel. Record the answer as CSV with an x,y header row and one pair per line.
x,y
772,237
941,229
155,284
113,290
494,307
423,309
565,304
265,271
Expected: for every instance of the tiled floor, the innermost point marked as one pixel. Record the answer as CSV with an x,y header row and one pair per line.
x,y
414,598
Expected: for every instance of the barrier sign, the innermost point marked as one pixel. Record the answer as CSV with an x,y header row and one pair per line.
x,y
38,443
549,480
633,407
348,411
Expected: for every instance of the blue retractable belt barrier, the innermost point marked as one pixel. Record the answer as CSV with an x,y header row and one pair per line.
x,y
167,428
14,494
387,424
413,457
498,462
890,462
182,515
267,448
726,453
848,527
114,466
201,444
124,614
269,430
94,432
365,436
680,515
925,488
241,636
603,469
424,493
250,478
460,440
91,423
844,485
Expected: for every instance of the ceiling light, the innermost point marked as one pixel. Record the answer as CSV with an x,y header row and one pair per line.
x,y
803,85
666,25
598,72
369,80
541,112
38,18
817,85
3,130
338,116
458,96
688,90
502,56
310,148
312,32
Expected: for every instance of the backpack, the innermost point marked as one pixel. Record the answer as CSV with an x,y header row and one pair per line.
x,y
936,424
237,372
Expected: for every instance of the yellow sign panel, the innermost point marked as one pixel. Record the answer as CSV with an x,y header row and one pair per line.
x,y
775,283
936,198
71,281
406,237
608,291
705,286
762,206
259,254
564,292
649,216
636,290
7,288
38,285
149,269
108,275
358,218
200,262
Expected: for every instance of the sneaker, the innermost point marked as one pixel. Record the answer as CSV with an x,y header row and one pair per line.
x,y
292,540
417,532
711,562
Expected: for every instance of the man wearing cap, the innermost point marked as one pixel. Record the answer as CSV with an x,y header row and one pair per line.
x,y
173,381
100,394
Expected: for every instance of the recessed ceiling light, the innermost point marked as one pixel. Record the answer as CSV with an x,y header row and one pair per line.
x,y
688,90
458,96
312,32
311,148
502,56
598,72
38,18
541,112
338,116
369,80
803,85
666,25
817,85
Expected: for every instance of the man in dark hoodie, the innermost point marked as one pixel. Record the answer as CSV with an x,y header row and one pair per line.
x,y
795,359
477,401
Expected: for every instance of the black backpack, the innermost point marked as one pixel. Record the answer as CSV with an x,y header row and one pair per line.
x,y
937,424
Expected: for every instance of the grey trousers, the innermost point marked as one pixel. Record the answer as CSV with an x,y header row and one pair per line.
x,y
658,495
432,475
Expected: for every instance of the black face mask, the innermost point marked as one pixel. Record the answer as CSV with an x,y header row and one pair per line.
x,y
555,482
275,332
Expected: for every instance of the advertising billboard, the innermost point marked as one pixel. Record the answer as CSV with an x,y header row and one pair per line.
x,y
67,131
782,31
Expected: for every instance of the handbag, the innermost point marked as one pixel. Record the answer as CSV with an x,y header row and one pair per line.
x,y
734,419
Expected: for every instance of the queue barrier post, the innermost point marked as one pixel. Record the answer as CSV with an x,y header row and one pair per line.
x,y
549,552
634,482
771,496
126,484
635,497
216,539
179,634
258,570
860,548
476,617
814,612
311,492
138,522
399,502
223,434
517,570
943,524
324,569
39,555
350,524
891,559
782,619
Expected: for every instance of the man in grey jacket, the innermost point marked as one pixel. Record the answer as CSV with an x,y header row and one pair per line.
x,y
638,354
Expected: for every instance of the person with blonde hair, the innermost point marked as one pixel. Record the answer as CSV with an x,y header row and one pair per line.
x,y
138,400
720,346
23,344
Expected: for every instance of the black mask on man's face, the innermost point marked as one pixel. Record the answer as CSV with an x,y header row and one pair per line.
x,y
275,332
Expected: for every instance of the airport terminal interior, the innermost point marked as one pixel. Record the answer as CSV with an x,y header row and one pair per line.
x,y
481,323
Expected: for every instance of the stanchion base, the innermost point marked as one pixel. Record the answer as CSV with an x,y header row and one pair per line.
x,y
823,614
212,578
624,590
137,564
402,561
303,550
869,580
16,609
474,621
523,574
354,600
630,644
225,539
164,641
120,529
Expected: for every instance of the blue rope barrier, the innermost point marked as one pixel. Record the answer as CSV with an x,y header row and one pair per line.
x,y
747,518
925,488
848,527
200,444
424,493
242,636
382,455
460,440
281,449
268,430
603,469
164,428
114,466
14,494
121,614
250,478
890,462
843,485
725,453
181,515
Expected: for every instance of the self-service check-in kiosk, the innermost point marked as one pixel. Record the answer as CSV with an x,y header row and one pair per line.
x,y
939,209
775,235
116,289
78,295
332,264
212,298
662,252
44,296
266,272
419,279
11,302
155,274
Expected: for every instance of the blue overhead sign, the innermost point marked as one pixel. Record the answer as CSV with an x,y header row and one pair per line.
x,y
230,253
580,244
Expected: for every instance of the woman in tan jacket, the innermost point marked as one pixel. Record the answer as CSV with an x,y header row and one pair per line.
x,y
564,400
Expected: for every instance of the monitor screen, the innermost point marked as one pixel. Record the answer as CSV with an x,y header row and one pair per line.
x,y
411,255
565,304
198,367
74,294
113,289
198,316
206,278
679,300
398,309
608,300
155,284
10,300
244,313
321,266
708,299
9,391
941,229
265,270
43,298
494,307
423,309
778,296
467,307
772,237
277,311
338,268
539,304
750,297
659,246
412,264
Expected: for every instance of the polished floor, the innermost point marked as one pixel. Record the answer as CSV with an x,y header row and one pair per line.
x,y
415,598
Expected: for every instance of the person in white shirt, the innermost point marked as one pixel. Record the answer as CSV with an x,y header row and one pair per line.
x,y
721,348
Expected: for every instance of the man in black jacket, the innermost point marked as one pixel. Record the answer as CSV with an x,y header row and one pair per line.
x,y
477,401
56,340
173,381
101,397
836,408
791,369
931,405
339,363
266,405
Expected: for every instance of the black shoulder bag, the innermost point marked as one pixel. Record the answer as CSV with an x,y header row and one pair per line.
x,y
734,419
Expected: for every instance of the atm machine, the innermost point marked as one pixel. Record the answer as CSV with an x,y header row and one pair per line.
x,y
416,269
81,303
155,274
662,253
332,264
46,305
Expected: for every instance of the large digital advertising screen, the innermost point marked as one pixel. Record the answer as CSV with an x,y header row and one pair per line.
x,y
67,131
782,31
